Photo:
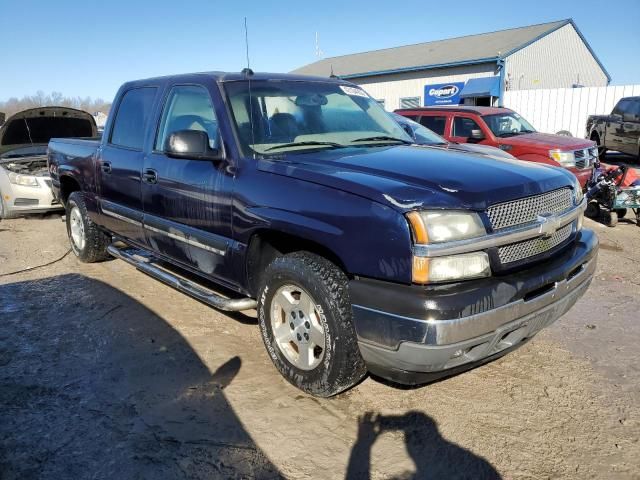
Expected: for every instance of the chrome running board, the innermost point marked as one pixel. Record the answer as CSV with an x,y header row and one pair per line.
x,y
144,261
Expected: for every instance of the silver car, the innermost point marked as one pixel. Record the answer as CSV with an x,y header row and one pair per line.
x,y
25,185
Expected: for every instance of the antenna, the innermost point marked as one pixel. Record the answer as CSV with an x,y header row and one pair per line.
x,y
248,73
246,42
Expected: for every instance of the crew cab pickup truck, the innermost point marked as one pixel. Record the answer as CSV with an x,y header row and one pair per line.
x,y
618,131
505,129
302,198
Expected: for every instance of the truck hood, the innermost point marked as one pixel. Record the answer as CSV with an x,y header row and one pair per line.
x,y
410,177
37,126
547,141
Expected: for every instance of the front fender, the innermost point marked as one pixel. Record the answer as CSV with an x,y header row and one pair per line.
x,y
369,239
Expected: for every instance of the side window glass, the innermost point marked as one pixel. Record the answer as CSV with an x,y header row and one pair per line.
x,y
435,124
620,108
188,107
132,118
462,127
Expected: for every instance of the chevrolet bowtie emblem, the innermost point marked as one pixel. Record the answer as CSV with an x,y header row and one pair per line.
x,y
549,224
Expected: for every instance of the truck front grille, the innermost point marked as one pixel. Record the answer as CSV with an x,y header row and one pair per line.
x,y
526,210
535,246
585,158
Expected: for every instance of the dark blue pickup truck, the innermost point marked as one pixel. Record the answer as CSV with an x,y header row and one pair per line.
x,y
302,198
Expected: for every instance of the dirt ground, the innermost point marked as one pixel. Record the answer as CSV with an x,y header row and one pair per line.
x,y
106,373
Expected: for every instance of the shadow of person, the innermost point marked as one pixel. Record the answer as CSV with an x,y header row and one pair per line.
x,y
95,385
433,456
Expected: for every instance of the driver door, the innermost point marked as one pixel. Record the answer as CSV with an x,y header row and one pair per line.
x,y
187,202
461,129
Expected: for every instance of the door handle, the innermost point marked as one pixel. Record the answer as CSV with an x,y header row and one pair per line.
x,y
150,175
105,166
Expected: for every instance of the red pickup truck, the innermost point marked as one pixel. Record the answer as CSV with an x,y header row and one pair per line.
x,y
505,129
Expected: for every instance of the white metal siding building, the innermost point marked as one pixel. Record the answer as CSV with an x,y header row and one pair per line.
x,y
549,55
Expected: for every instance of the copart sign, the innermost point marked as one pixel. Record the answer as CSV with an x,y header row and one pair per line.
x,y
442,94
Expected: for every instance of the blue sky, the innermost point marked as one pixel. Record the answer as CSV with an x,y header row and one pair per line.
x,y
88,48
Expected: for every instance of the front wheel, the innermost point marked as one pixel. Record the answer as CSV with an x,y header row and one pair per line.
x,y
305,319
88,242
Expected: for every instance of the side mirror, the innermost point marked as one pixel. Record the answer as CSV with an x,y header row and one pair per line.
x,y
191,144
477,134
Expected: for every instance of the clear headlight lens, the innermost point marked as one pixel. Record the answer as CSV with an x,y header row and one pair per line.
x,y
578,193
566,159
24,180
431,227
443,226
454,267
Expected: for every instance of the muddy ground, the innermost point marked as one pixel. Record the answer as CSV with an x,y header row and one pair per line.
x,y
106,373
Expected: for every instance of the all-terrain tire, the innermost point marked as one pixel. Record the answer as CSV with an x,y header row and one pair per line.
x,y
342,365
621,212
95,240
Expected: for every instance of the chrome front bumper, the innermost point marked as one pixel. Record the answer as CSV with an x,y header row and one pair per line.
x,y
402,347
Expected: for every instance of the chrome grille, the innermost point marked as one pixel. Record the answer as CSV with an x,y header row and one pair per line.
x,y
586,157
535,246
526,210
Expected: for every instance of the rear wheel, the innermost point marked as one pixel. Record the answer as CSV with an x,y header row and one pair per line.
x,y
304,314
610,219
88,242
621,212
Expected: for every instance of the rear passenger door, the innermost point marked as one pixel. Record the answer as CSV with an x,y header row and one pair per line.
x,y
187,203
435,123
120,162
615,130
631,127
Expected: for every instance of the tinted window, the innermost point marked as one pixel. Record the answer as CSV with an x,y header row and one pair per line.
x,y
435,124
462,127
188,107
132,118
622,107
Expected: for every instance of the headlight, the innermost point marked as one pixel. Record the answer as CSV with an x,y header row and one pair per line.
x,y
24,180
447,226
454,267
578,193
566,159
443,226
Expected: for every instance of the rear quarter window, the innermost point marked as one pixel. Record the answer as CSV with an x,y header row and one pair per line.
x,y
132,118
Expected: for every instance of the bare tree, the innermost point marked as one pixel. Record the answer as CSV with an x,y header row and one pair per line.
x,y
40,99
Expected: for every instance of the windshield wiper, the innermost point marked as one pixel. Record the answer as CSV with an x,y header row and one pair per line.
x,y
382,138
305,144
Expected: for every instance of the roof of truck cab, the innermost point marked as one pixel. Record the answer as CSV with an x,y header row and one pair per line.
x,y
456,108
233,76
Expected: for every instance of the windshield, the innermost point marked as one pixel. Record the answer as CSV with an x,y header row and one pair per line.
x,y
304,115
508,124
421,135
